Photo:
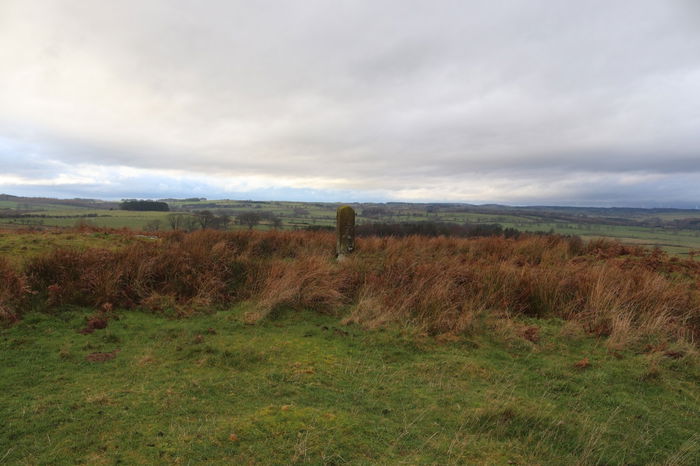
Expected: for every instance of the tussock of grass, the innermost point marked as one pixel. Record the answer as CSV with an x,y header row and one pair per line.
x,y
441,285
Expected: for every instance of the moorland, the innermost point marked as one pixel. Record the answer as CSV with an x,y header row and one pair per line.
x,y
255,346
676,231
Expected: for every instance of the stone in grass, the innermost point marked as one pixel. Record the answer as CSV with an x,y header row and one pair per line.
x,y
345,232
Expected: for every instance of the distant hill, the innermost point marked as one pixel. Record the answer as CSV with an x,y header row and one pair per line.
x,y
77,202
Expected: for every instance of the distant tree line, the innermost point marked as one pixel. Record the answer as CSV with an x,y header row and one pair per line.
x,y
250,219
144,205
374,212
435,229
686,223
205,219
466,230
202,205
187,199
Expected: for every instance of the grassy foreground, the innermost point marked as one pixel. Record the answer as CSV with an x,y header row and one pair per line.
x,y
300,388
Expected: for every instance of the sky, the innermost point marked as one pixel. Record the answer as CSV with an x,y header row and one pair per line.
x,y
521,102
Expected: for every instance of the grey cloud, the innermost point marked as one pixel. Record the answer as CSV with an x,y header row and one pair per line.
x,y
383,94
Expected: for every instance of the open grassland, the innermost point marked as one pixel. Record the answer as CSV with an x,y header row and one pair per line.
x,y
69,218
19,246
302,389
259,347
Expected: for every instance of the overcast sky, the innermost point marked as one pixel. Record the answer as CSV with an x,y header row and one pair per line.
x,y
514,101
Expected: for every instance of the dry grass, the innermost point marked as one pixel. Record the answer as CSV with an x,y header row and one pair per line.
x,y
438,284
13,291
308,282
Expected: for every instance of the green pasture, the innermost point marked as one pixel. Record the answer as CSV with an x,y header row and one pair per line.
x,y
20,246
302,389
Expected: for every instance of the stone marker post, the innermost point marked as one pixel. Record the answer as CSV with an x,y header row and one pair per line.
x,y
345,231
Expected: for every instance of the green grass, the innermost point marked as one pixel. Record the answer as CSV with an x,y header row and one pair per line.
x,y
303,389
19,247
102,218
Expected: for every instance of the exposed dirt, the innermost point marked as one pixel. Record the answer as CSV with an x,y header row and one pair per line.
x,y
531,333
674,354
102,357
583,364
94,323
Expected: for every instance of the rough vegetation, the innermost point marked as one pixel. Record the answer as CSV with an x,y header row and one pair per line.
x,y
437,284
13,291
539,349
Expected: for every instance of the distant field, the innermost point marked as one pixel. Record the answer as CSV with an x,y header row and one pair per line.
x,y
587,223
18,247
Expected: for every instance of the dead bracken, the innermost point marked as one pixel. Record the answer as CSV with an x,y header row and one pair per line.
x,y
440,284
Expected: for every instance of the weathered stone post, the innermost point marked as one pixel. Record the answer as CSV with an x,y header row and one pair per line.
x,y
345,231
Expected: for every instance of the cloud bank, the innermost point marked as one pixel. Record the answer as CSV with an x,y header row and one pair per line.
x,y
522,102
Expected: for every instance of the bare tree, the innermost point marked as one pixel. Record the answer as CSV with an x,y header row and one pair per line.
x,y
248,218
153,225
276,222
205,219
176,221
182,222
